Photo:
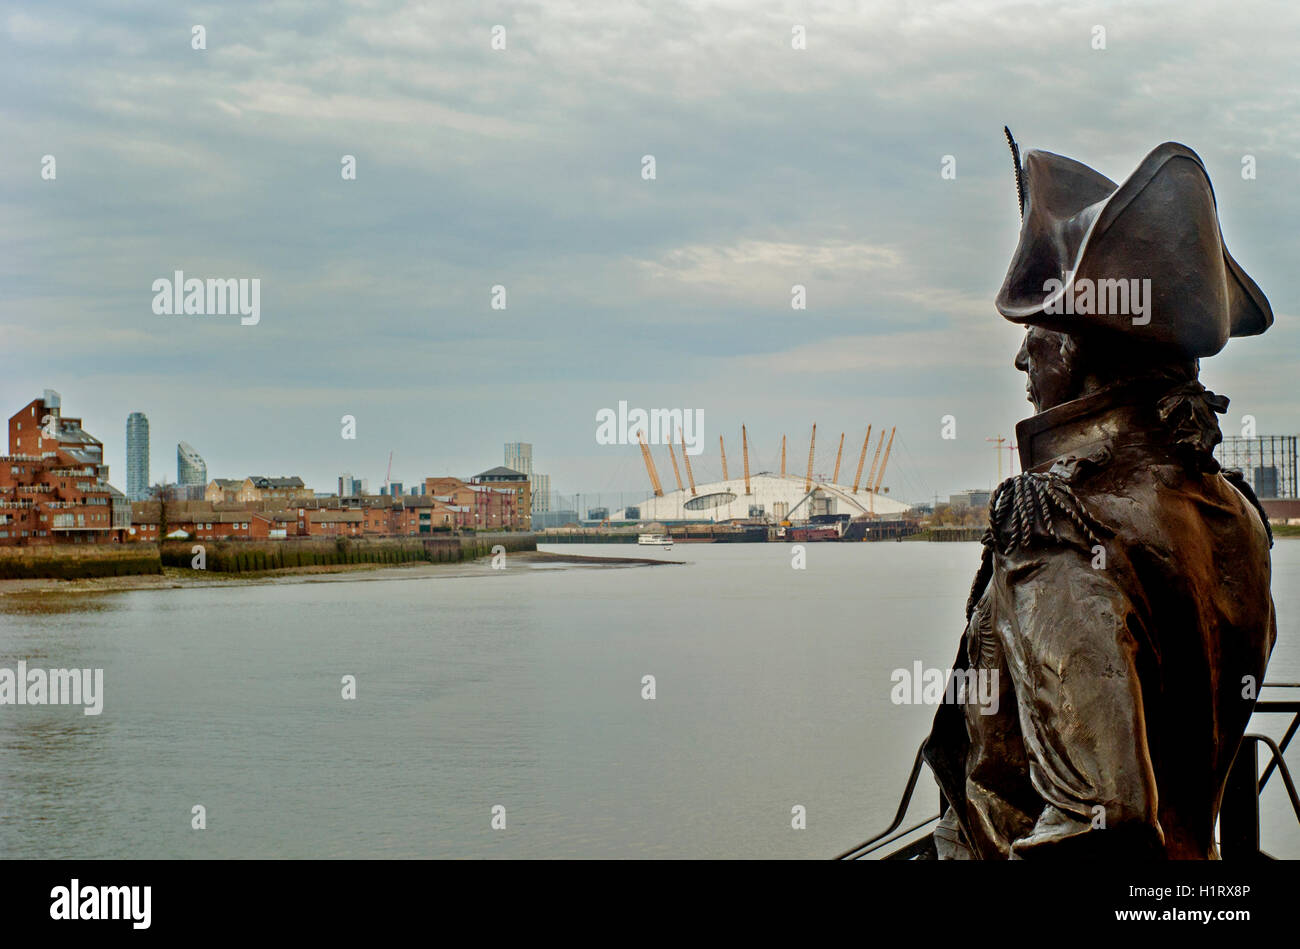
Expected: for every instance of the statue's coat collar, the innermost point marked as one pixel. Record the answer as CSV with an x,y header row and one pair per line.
x,y
1118,414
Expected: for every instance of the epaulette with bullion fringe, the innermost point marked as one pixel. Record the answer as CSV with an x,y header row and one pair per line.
x,y
1039,509
1032,509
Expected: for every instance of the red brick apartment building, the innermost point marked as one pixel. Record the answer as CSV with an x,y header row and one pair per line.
x,y
487,504
317,517
54,484
201,525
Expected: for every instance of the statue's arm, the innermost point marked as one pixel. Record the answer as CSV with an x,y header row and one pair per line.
x,y
1071,639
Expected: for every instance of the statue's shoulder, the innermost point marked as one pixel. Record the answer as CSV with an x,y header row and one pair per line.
x,y
1041,509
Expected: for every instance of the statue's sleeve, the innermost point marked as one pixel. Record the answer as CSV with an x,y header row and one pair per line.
x,y
1071,639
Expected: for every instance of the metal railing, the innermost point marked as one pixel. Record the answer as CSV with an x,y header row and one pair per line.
x,y
883,838
1238,813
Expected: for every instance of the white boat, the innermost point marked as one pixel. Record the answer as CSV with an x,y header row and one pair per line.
x,y
655,540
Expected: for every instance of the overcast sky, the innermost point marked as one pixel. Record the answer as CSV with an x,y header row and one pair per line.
x,y
523,167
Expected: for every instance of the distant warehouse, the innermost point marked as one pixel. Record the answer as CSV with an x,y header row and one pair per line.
x,y
970,498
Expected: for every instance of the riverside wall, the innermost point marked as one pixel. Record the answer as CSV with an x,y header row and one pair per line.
x,y
78,562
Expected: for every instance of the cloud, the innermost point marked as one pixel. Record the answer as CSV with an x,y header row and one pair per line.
x,y
762,272
927,350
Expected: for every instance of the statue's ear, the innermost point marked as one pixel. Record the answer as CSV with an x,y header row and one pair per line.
x,y
1070,350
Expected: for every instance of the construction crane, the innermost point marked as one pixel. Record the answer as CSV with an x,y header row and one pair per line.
x,y
676,473
880,477
782,456
687,460
812,444
723,450
388,478
744,450
861,459
997,446
835,478
650,465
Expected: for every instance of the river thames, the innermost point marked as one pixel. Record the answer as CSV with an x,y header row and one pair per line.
x,y
518,689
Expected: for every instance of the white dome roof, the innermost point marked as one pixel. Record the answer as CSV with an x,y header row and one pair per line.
x,y
726,500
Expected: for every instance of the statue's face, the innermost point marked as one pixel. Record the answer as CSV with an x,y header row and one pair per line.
x,y
1045,358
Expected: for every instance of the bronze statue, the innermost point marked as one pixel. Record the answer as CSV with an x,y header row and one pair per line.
x,y
1123,594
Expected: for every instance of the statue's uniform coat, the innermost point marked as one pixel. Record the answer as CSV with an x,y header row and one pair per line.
x,y
1124,602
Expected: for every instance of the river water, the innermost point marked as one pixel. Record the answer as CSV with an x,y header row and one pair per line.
x,y
520,688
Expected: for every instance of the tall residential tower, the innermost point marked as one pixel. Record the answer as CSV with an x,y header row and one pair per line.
x,y
519,457
190,467
137,456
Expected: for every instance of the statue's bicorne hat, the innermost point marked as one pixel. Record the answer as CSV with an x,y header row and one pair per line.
x,y
1160,225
